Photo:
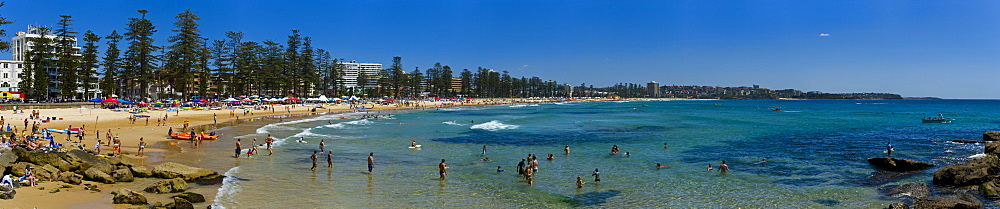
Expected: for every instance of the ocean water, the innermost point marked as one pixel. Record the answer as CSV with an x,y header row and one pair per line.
x,y
815,149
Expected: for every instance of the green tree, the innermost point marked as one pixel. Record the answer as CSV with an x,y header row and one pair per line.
x,y
89,62
139,63
184,60
67,62
4,44
112,65
247,68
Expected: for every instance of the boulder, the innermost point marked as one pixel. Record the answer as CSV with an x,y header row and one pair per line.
x,y
122,175
7,157
47,172
191,197
991,136
126,196
97,175
974,172
918,190
168,186
7,193
171,170
896,164
84,160
899,205
140,171
181,203
941,202
993,148
42,158
71,178
122,161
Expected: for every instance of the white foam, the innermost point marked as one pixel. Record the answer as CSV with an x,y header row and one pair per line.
x,y
978,155
453,123
228,189
493,126
344,124
533,105
520,105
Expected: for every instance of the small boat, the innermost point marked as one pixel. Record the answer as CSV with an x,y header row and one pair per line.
x,y
939,119
775,108
645,105
183,136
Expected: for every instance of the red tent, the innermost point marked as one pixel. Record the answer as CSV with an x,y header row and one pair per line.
x,y
292,99
112,100
201,100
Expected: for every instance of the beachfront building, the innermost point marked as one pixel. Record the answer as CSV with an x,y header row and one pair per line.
x,y
654,89
568,89
21,44
360,75
10,74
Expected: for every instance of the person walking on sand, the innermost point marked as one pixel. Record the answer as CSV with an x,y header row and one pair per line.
x,y
579,182
142,146
371,162
723,167
329,158
313,158
443,169
238,148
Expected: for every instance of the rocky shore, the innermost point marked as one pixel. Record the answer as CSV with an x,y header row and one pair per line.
x,y
78,167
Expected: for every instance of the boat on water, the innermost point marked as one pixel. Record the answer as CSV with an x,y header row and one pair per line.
x,y
183,136
775,108
939,119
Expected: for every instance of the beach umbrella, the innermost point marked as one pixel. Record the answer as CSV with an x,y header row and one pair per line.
x,y
292,99
111,100
96,100
143,103
201,100
127,102
246,99
231,100
353,98
323,98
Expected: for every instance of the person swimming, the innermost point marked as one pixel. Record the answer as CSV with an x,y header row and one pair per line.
x,y
499,169
660,166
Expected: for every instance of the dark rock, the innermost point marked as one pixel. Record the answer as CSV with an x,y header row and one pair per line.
x,y
122,161
990,190
974,172
47,172
991,136
899,205
896,164
969,197
912,189
993,148
171,170
85,161
42,158
140,171
7,193
97,175
7,157
191,197
967,141
71,178
941,202
126,196
181,203
168,186
123,175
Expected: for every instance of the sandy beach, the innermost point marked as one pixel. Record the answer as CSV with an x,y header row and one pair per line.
x,y
158,149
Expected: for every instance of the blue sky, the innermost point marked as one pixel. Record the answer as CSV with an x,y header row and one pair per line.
x,y
948,49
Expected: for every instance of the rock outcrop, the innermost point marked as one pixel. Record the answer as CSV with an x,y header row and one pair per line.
x,y
97,175
990,190
896,164
126,196
7,157
168,186
964,200
171,170
84,160
973,172
71,178
899,205
7,193
918,190
46,172
18,168
140,171
122,175
56,159
180,203
993,148
191,197
991,136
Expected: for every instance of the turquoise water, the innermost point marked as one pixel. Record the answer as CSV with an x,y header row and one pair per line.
x,y
816,153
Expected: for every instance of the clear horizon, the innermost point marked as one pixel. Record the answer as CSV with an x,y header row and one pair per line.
x,y
915,49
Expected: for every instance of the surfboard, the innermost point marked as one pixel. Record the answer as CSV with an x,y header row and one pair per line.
x,y
418,146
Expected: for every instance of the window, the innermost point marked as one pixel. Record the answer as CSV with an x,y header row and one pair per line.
x,y
4,65
5,84
4,75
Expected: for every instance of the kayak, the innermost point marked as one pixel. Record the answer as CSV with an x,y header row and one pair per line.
x,y
56,130
183,136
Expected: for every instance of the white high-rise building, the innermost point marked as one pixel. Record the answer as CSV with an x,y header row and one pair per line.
x,y
353,70
10,70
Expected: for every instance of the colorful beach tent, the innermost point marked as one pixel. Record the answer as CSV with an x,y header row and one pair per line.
x,y
231,100
292,99
96,100
353,98
111,100
201,100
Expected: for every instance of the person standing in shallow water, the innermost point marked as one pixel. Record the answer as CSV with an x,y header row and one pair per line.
x,y
371,162
238,148
313,158
329,158
484,149
443,169
888,149
597,175
723,167
566,149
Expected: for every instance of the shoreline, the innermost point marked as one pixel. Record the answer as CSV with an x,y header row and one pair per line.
x,y
160,147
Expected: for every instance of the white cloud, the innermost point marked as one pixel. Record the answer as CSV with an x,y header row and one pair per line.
x,y
824,34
